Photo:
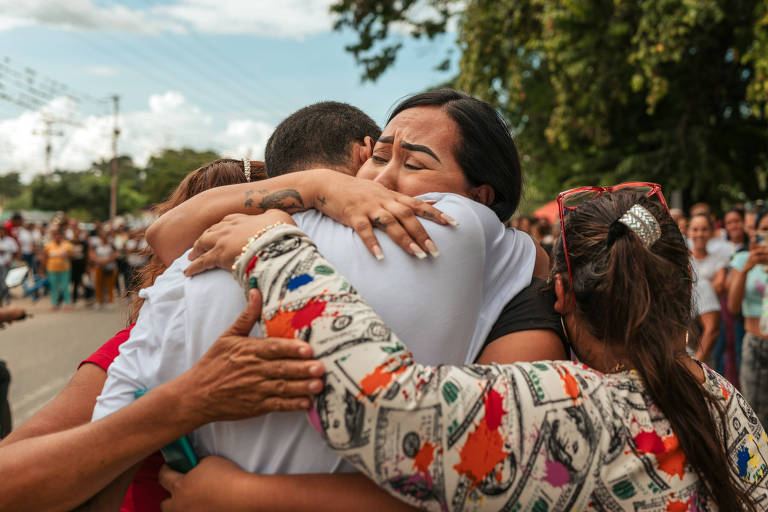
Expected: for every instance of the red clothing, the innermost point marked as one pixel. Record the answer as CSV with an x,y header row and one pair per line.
x,y
145,492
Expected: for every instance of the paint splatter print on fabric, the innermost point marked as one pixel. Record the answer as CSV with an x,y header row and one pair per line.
x,y
544,436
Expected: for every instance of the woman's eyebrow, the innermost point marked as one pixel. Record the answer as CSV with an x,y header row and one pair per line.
x,y
409,146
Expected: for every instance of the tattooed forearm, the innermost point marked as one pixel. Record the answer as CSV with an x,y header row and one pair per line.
x,y
288,200
322,200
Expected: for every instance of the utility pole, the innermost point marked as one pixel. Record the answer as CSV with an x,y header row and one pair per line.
x,y
113,164
48,133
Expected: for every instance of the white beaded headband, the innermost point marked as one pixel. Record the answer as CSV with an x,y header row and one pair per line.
x,y
247,169
643,223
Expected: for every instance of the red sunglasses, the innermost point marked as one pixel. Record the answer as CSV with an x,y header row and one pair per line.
x,y
571,199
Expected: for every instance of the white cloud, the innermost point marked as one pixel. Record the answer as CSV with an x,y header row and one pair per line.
x,y
82,14
285,19
169,121
245,138
101,70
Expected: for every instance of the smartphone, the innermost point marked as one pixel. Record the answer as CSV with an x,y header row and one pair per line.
x,y
760,239
179,454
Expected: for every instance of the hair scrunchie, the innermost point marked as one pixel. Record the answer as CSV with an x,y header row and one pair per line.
x,y
616,230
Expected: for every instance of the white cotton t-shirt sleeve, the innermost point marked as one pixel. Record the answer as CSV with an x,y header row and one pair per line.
x,y
154,352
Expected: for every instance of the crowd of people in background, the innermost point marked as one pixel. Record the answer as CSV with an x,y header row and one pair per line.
x,y
721,249
71,261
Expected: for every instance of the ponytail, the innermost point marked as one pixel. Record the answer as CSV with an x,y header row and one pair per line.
x,y
650,316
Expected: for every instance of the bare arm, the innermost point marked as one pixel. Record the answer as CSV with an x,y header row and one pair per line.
x,y
737,280
82,460
73,406
533,345
711,322
360,204
718,282
541,267
43,262
219,484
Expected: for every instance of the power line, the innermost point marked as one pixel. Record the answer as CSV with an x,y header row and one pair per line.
x,y
43,85
223,61
146,72
156,76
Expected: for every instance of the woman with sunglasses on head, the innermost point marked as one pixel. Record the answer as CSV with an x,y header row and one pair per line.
x,y
746,294
639,425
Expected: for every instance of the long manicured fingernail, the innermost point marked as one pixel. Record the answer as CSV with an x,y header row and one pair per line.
x,y
450,220
417,251
377,253
432,248
316,370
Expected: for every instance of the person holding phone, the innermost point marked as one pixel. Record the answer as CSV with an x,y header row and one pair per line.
x,y
746,291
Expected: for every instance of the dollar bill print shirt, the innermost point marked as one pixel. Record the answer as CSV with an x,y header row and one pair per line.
x,y
538,436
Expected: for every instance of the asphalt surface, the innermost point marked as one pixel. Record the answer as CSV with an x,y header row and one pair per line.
x,y
43,352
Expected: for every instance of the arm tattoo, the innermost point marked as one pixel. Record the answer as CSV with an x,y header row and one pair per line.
x,y
288,200
322,200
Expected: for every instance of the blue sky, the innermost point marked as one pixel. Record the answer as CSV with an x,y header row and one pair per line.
x,y
216,74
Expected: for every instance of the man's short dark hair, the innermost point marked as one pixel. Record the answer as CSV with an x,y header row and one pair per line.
x,y
317,135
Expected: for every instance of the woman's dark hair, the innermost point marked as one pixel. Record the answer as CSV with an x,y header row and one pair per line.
x,y
740,212
704,216
486,152
638,300
224,171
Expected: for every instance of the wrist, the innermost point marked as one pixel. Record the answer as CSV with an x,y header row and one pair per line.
x,y
188,404
314,187
247,489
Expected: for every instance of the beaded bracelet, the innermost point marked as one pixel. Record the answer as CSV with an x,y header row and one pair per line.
x,y
250,242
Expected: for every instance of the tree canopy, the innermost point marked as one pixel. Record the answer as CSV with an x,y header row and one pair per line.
x,y
600,91
85,194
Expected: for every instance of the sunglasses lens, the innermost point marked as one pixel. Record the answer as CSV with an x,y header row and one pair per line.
x,y
580,197
648,191
642,189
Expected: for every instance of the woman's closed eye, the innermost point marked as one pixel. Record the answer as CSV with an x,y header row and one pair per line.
x,y
379,159
414,166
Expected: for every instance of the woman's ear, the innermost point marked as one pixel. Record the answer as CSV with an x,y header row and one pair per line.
x,y
564,299
483,194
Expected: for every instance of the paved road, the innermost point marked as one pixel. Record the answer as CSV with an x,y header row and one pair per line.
x,y
43,352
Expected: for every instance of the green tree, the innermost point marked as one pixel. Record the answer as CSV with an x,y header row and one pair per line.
x,y
164,172
599,91
87,192
10,186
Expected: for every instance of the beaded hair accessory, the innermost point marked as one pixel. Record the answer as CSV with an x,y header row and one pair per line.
x,y
643,223
247,169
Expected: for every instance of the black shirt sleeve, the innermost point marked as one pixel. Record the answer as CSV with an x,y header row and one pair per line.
x,y
531,309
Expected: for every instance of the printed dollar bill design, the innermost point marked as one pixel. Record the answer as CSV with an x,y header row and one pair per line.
x,y
539,436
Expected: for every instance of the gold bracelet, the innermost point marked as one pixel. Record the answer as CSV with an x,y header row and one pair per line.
x,y
250,241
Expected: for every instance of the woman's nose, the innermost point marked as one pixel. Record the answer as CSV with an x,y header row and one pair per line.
x,y
388,176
